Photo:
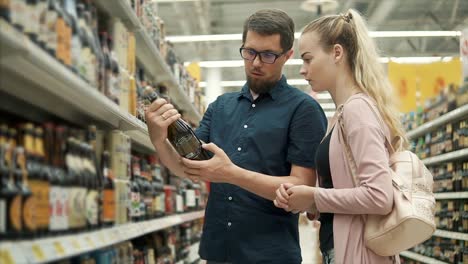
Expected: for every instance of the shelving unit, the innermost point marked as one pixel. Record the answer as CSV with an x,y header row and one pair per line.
x,y
451,195
421,258
451,235
34,76
149,56
451,116
60,247
462,154
454,155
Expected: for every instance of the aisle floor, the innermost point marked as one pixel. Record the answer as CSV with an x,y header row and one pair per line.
x,y
309,239
309,242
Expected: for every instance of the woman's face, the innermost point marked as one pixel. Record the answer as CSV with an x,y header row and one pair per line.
x,y
318,67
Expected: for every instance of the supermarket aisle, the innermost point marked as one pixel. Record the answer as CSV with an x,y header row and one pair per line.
x,y
309,239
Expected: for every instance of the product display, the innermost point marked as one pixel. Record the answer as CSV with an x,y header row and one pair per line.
x,y
71,192
440,142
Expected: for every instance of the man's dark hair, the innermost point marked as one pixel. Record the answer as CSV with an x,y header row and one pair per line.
x,y
270,22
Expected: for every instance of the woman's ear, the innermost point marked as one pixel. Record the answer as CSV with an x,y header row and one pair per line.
x,y
338,53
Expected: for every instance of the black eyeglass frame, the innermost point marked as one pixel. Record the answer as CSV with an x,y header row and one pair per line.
x,y
260,53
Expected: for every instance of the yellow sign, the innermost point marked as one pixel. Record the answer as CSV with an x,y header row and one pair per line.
x,y
415,83
194,70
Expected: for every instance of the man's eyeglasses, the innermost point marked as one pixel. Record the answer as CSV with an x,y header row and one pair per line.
x,y
265,56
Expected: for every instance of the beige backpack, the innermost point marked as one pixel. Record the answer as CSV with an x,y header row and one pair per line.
x,y
411,220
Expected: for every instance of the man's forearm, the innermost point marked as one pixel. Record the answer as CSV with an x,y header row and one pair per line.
x,y
170,158
262,184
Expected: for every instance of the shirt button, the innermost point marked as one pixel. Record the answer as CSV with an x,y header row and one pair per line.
x,y
229,223
239,149
246,126
230,198
253,105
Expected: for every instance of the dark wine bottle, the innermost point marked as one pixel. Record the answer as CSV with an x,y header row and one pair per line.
x,y
181,136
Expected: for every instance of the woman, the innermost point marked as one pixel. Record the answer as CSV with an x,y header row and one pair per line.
x,y
339,57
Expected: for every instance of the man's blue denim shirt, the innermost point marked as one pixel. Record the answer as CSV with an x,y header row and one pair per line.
x,y
266,135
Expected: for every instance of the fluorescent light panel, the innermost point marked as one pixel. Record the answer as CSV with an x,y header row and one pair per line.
x,y
240,63
373,34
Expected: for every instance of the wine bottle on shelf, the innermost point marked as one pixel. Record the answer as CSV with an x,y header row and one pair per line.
x,y
181,136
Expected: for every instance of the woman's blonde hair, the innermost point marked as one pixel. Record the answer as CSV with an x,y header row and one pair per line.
x,y
350,31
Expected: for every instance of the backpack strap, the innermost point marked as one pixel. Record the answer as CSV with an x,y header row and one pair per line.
x,y
347,150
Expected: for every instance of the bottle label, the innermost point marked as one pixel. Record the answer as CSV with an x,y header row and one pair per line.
x,y
36,189
29,213
92,207
54,208
134,204
3,215
190,198
74,206
188,146
45,210
108,203
15,213
64,207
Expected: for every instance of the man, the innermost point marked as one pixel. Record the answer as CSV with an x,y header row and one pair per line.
x,y
260,137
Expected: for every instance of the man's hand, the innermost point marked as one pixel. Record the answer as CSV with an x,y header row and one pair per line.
x,y
159,115
215,169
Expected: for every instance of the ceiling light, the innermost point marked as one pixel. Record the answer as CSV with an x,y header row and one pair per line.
x,y
240,63
374,34
412,34
172,1
319,6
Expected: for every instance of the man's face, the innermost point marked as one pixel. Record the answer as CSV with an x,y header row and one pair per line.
x,y
262,76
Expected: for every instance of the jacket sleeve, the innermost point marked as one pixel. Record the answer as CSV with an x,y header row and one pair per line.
x,y
374,193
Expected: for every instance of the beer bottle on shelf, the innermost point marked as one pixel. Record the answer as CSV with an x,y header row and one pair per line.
x,y
5,11
92,196
135,197
42,202
60,187
108,192
10,198
73,184
181,136
97,182
27,178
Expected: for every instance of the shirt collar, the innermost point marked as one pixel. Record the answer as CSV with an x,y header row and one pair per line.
x,y
273,93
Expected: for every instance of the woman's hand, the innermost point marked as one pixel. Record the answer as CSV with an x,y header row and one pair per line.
x,y
301,198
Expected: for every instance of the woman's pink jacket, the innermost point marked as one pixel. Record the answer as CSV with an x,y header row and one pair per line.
x,y
374,195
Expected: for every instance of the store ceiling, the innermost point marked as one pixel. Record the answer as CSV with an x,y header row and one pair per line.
x,y
200,17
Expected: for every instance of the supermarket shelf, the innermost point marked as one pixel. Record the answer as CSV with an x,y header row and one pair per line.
x,y
451,235
462,153
448,117
421,258
29,73
451,195
148,54
60,247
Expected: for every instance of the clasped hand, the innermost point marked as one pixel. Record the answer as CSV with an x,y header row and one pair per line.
x,y
295,198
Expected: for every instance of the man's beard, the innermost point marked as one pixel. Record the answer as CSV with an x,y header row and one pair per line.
x,y
260,86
